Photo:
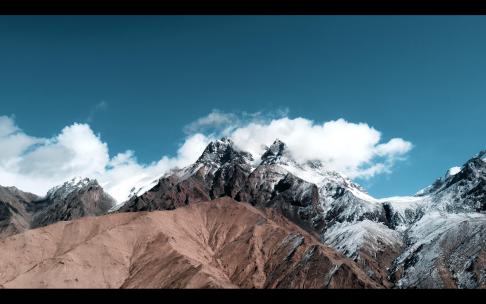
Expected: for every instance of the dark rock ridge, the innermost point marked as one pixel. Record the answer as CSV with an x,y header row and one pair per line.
x,y
74,199
14,214
220,171
77,198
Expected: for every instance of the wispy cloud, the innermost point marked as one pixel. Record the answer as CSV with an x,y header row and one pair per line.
x,y
100,106
219,123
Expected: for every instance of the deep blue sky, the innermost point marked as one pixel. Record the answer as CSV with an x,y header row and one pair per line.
x,y
421,78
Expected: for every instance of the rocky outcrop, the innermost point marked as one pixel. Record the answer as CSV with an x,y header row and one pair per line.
x,y
77,198
14,214
74,199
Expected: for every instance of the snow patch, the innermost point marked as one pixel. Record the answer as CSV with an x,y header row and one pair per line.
x,y
62,191
453,171
349,238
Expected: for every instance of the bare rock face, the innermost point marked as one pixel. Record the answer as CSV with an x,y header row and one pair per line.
x,y
217,244
269,186
14,215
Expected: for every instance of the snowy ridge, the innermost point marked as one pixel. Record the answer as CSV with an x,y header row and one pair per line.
x,y
75,184
349,238
438,235
311,171
439,182
352,214
137,191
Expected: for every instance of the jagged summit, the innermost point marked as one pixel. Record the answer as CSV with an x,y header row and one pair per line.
x,y
439,182
221,151
73,199
68,187
473,169
276,153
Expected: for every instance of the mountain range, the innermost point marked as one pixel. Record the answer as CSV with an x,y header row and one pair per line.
x,y
230,220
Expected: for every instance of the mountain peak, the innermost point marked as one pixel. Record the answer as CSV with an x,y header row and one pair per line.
x,y
69,186
471,170
221,151
225,140
275,153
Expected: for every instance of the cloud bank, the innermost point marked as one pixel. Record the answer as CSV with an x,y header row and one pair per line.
x,y
37,164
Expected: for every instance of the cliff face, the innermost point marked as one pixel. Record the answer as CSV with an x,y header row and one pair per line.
x,y
14,214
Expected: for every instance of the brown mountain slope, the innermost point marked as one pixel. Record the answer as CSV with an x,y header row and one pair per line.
x,y
212,244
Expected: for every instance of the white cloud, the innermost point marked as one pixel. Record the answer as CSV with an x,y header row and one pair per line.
x,y
215,119
350,148
13,141
37,164
125,172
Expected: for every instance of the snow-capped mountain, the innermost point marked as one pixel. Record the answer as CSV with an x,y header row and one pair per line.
x,y
220,171
443,227
435,238
459,190
379,234
74,185
74,199
305,192
223,170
